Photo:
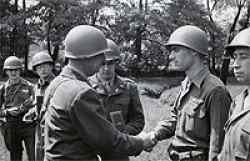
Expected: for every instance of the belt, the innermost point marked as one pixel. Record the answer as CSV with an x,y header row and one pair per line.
x,y
201,157
188,156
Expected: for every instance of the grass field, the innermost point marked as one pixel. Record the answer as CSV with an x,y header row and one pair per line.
x,y
154,112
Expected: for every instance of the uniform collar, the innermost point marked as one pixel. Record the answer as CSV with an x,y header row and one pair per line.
x,y
111,82
46,81
239,102
199,76
98,86
73,73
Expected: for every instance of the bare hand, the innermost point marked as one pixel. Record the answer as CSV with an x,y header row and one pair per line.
x,y
149,141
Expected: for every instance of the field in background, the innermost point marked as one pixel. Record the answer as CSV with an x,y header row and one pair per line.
x,y
154,112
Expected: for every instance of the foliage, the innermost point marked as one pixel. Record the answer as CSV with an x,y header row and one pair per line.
x,y
156,24
127,23
13,30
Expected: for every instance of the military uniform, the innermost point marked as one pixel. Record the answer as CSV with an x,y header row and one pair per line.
x,y
81,132
237,139
14,130
122,107
40,88
197,119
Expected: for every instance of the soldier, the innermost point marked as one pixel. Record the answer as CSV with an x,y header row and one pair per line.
x,y
201,108
42,64
17,97
237,139
75,122
120,97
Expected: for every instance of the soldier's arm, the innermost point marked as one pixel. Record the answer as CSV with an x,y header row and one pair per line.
x,y
219,105
96,131
136,120
166,128
29,102
3,112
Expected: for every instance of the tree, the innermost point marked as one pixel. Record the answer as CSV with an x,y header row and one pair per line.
x,y
140,28
230,34
14,38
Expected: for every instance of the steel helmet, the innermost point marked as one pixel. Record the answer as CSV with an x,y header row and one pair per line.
x,y
114,53
41,58
84,41
12,62
191,37
242,39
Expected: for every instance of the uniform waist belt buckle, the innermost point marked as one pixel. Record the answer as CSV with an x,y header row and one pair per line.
x,y
190,155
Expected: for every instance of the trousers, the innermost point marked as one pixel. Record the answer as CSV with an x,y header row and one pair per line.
x,y
13,138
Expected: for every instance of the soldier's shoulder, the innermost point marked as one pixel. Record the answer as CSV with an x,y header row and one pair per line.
x,y
215,81
212,82
79,90
75,86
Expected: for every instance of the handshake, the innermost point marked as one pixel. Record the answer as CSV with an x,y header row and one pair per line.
x,y
149,140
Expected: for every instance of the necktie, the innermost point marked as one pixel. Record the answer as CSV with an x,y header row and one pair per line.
x,y
107,86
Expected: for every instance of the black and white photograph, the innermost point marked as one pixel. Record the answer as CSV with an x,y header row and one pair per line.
x,y
124,80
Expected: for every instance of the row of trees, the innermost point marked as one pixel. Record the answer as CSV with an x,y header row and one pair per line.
x,y
140,27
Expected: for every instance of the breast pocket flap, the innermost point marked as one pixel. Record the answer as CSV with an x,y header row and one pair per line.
x,y
195,107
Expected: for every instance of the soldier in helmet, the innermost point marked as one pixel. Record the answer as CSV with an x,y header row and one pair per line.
x,y
42,64
237,139
75,122
201,108
16,98
120,97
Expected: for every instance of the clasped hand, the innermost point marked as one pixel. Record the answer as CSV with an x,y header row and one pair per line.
x,y
149,140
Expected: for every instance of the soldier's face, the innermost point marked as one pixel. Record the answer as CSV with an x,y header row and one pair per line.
x,y
107,70
241,65
13,74
181,58
44,70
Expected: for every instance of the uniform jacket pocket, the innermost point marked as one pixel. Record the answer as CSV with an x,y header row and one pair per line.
x,y
195,122
243,147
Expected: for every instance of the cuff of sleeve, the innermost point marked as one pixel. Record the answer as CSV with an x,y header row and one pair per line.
x,y
157,136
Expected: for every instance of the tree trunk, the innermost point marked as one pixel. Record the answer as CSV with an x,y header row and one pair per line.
x,y
26,43
55,52
138,38
14,32
212,36
48,38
